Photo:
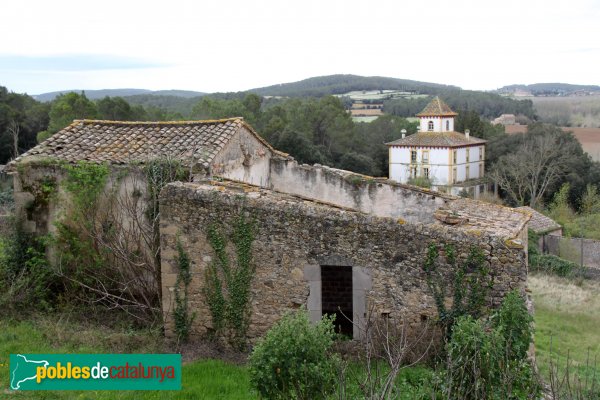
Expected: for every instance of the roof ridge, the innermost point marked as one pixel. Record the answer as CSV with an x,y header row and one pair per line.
x,y
444,139
173,122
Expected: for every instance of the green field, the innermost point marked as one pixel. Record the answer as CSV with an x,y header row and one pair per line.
x,y
567,317
201,379
567,321
204,379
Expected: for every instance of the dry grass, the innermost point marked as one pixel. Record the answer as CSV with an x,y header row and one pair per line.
x,y
560,294
567,321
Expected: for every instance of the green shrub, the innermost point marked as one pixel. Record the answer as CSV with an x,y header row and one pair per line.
x,y
487,359
548,263
553,265
473,359
294,359
514,323
420,181
26,280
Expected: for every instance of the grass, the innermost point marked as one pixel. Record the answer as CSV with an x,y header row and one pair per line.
x,y
567,321
567,317
204,379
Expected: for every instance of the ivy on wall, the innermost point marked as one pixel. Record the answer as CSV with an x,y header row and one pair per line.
x,y
181,315
85,182
227,289
470,283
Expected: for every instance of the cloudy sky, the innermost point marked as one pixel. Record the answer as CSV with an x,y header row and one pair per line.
x,y
231,45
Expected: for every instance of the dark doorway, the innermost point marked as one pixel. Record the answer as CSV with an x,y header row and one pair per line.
x,y
336,296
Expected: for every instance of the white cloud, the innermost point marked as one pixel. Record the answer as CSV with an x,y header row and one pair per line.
x,y
234,45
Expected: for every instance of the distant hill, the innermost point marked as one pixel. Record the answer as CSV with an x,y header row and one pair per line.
x,y
550,89
169,103
99,94
339,84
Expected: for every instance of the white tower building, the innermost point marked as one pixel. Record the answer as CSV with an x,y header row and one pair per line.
x,y
451,161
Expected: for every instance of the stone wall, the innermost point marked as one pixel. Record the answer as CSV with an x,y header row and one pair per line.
x,y
294,238
41,199
377,196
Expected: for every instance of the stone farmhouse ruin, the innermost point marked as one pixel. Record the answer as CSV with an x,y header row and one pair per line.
x,y
325,239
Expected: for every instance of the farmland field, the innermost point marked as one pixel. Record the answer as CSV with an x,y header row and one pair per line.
x,y
588,137
582,111
366,112
379,95
364,119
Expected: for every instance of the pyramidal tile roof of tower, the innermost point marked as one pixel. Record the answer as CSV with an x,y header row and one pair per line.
x,y
437,108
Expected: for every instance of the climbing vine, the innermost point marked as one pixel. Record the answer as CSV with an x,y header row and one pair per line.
x,y
471,282
85,181
160,172
182,317
227,289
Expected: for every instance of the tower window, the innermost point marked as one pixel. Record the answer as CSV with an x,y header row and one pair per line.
x,y
447,125
467,153
413,156
426,172
467,173
430,126
454,157
453,175
425,156
481,154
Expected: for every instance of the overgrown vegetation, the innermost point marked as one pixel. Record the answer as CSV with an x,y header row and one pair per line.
x,y
181,314
294,360
469,283
548,263
421,181
487,358
583,221
25,276
227,289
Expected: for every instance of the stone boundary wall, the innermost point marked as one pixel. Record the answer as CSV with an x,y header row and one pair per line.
x,y
377,196
294,238
573,249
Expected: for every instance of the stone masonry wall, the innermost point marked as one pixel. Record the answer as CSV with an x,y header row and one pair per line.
x,y
377,196
294,238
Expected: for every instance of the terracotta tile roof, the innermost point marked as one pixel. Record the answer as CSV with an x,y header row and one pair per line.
x,y
539,223
490,218
437,139
120,142
436,108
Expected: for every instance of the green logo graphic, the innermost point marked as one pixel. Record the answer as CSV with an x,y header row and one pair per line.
x,y
95,371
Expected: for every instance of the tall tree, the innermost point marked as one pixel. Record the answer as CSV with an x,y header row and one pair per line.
x,y
21,118
541,161
114,109
66,108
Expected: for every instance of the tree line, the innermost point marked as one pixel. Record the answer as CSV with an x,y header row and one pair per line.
x,y
320,130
